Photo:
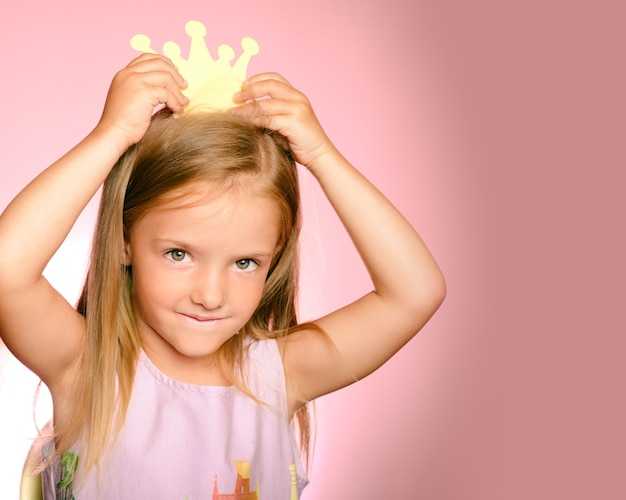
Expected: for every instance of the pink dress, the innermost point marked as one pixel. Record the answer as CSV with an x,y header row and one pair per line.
x,y
189,442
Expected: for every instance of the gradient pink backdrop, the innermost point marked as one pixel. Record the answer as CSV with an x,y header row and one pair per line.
x,y
498,129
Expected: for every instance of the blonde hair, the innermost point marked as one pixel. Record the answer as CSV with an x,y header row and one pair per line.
x,y
174,153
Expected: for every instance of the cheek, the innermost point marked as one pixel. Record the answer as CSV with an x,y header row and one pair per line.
x,y
141,293
148,286
251,297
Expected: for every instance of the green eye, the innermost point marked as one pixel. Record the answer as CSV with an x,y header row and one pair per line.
x,y
245,264
177,255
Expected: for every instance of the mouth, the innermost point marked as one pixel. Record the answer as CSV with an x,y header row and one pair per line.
x,y
199,319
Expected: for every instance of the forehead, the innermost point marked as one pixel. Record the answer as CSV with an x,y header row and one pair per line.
x,y
208,191
208,210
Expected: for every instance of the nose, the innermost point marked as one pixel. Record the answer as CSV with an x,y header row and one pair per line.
x,y
209,289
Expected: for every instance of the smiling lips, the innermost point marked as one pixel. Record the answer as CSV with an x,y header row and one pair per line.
x,y
201,319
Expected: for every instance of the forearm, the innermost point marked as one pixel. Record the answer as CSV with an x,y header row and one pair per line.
x,y
400,265
37,221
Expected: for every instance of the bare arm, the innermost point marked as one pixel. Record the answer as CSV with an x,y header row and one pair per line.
x,y
41,329
408,285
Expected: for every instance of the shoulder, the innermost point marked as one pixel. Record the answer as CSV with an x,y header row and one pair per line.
x,y
313,365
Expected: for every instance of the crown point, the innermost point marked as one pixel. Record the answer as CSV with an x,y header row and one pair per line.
x,y
250,46
225,53
172,50
141,43
195,29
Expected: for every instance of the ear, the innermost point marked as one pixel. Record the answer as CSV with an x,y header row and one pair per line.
x,y
127,254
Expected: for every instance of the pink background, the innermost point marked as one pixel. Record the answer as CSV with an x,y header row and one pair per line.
x,y
498,129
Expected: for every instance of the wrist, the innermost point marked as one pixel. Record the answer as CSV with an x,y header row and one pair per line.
x,y
327,159
116,140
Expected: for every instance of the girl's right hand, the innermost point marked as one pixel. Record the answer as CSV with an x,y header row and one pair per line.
x,y
148,81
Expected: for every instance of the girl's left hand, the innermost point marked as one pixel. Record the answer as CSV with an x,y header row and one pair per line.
x,y
272,102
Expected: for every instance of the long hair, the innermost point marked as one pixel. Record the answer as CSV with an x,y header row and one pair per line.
x,y
176,152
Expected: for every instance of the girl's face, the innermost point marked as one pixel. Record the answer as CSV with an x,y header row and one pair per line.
x,y
199,265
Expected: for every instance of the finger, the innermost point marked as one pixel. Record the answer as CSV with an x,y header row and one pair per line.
x,y
153,81
269,87
148,59
267,76
147,63
173,99
163,79
155,94
267,107
170,99
268,113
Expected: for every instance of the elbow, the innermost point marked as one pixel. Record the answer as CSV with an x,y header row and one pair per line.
x,y
435,296
440,291
427,300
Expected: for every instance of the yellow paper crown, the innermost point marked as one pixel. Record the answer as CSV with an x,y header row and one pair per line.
x,y
212,82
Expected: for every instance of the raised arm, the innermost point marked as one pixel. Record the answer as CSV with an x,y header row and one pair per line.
x,y
41,329
408,285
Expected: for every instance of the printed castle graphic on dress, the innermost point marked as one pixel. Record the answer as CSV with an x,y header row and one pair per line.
x,y
212,82
69,464
242,486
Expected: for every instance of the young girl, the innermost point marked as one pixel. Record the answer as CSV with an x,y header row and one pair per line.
x,y
179,372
